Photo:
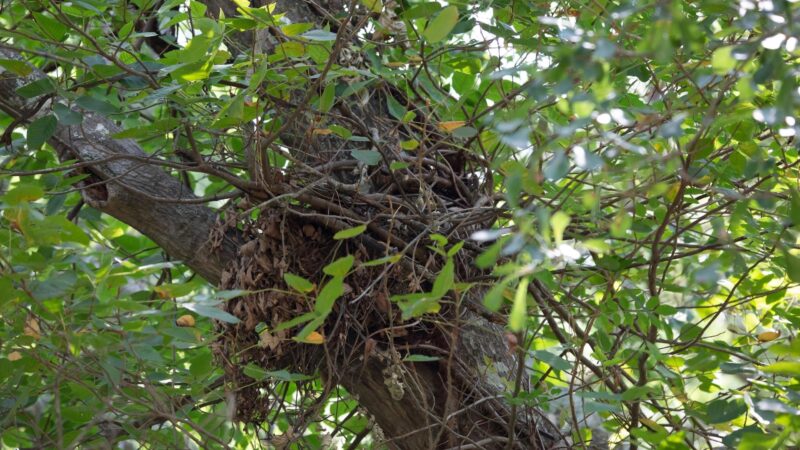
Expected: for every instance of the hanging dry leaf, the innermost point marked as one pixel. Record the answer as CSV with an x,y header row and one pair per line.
x,y
186,320
32,328
268,340
14,356
768,336
451,125
512,341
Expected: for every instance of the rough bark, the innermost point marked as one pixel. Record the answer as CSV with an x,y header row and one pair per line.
x,y
126,183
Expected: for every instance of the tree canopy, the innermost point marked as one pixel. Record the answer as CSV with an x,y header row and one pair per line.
x,y
399,224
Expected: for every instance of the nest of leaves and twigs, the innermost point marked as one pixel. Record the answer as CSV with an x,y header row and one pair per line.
x,y
394,238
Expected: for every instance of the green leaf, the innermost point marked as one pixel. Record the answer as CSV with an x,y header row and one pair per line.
x,y
557,167
391,259
210,311
375,6
20,68
319,35
420,358
284,375
332,290
255,372
201,365
494,297
519,310
66,230
465,132
296,321
636,393
327,97
455,249
792,266
67,116
298,283
395,108
230,114
40,130
722,61
398,165
721,411
36,88
559,222
789,368
340,267
794,212
445,280
24,192
554,361
441,25
368,157
620,224
50,27
349,233
309,328
96,105
54,286
418,11
293,29
410,144
417,304
340,131
228,294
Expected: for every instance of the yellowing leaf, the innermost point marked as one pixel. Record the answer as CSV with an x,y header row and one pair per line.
x,y
652,424
769,336
451,125
409,145
314,338
32,328
322,131
673,190
14,356
186,320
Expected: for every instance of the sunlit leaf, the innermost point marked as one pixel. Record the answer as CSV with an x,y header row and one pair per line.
x,y
441,25
349,233
298,283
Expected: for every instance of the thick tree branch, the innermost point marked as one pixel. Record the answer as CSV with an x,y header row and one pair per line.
x,y
126,188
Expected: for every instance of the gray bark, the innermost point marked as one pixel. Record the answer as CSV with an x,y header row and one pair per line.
x,y
126,182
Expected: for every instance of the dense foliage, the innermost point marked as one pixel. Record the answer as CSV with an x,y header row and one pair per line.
x,y
637,159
